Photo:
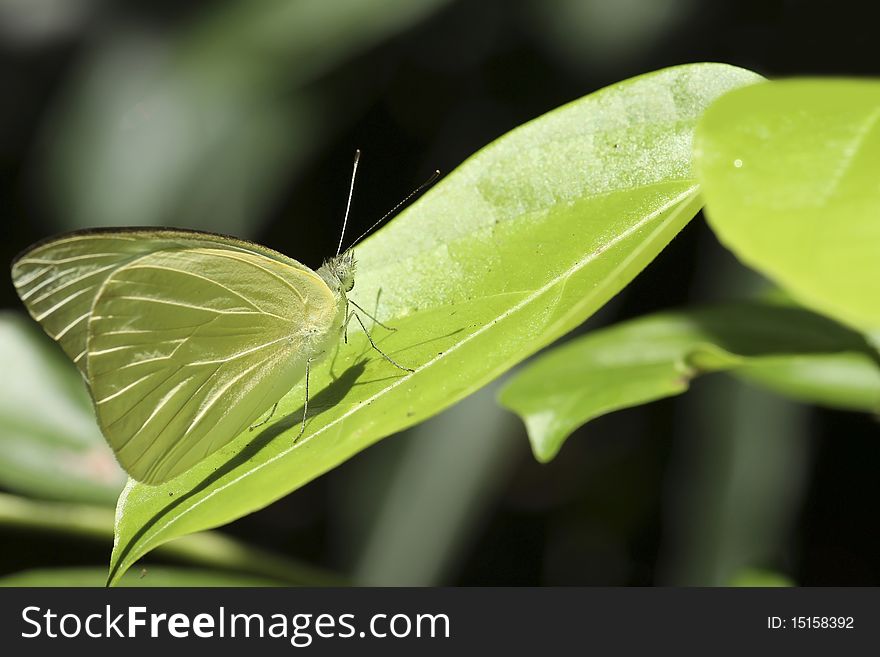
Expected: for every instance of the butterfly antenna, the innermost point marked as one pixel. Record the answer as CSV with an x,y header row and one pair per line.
x,y
354,169
418,189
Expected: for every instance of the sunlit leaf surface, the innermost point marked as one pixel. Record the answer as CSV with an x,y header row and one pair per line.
x,y
789,172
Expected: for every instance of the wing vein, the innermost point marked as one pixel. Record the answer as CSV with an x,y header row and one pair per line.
x,y
200,277
271,273
65,261
180,304
67,328
156,436
60,304
124,389
202,412
239,354
63,286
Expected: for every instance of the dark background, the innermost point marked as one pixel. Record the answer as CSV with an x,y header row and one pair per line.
x,y
721,485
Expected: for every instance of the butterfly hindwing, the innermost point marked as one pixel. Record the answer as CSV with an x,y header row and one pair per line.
x,y
188,347
184,338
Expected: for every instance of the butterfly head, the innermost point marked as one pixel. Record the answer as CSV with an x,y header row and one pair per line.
x,y
338,272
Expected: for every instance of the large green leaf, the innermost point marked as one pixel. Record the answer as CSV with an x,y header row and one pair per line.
x,y
50,446
789,172
513,249
791,350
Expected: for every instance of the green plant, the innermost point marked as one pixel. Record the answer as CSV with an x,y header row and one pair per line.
x,y
531,236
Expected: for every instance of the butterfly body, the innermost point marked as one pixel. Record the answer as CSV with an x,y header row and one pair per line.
x,y
184,338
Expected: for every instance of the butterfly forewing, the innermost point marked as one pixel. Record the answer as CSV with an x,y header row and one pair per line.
x,y
58,279
188,347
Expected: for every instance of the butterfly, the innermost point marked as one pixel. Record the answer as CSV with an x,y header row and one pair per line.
x,y
186,338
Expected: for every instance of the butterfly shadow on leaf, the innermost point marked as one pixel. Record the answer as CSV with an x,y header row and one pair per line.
x,y
326,398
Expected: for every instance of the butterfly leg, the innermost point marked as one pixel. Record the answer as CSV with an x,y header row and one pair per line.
x,y
302,428
384,326
348,316
271,413
382,353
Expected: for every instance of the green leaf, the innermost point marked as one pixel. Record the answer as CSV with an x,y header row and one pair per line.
x,y
148,577
789,173
513,249
657,356
50,446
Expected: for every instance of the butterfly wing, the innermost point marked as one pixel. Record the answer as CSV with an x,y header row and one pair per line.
x,y
187,348
58,279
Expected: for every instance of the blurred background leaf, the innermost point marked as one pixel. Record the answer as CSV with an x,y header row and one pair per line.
x,y
753,577
202,126
50,445
590,34
77,524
